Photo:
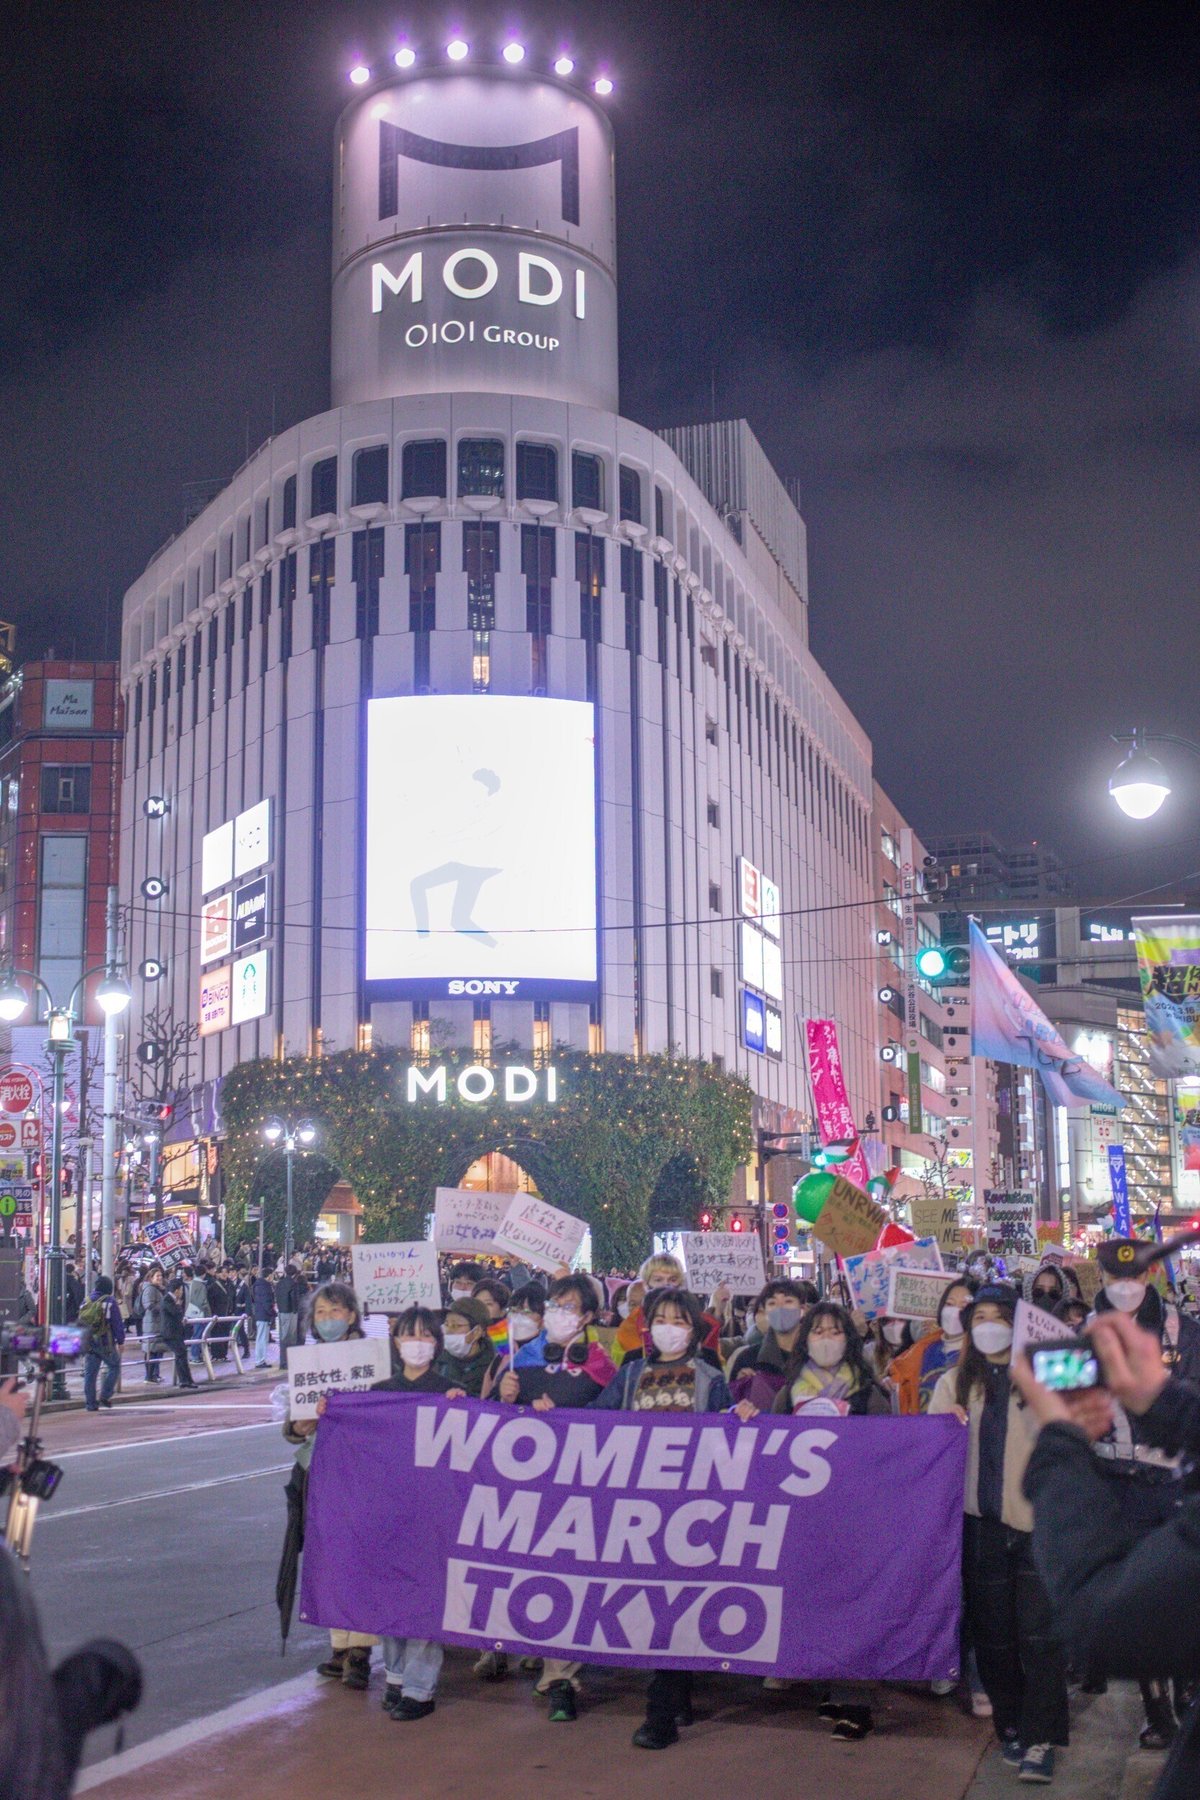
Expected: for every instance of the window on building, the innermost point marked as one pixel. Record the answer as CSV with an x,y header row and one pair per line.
x,y
66,787
368,573
714,813
930,1030
62,909
289,504
481,560
660,509
537,472
321,568
716,985
589,573
631,494
481,466
287,604
323,487
541,1031
714,897
708,655
419,1040
481,1031
887,844
710,731
423,470
587,480
263,533
370,482
538,568
422,562
632,576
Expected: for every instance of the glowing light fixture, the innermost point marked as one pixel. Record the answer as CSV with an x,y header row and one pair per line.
x,y
564,66
457,50
406,56
1139,784
603,86
513,52
360,74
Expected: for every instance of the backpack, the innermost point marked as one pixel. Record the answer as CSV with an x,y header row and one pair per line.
x,y
94,1317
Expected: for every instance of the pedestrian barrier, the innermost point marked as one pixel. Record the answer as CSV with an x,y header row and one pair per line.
x,y
226,1328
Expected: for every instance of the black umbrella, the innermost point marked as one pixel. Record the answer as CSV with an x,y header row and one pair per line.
x,y
293,1544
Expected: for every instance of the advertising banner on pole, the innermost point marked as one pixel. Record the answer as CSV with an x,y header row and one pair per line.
x,y
1119,1183
619,1538
831,1102
1008,1025
1168,953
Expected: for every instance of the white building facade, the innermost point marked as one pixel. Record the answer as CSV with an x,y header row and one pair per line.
x,y
474,522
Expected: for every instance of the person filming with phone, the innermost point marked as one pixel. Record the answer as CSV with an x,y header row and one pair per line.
x,y
1122,1586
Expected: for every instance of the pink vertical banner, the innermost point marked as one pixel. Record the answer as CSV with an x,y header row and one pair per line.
x,y
835,1121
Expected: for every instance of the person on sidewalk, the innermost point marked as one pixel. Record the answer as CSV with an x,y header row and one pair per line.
x,y
174,1330
151,1302
198,1310
101,1316
291,1290
1009,1616
262,1302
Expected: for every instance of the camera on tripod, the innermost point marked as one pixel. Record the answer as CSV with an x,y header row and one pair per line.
x,y
33,1478
67,1341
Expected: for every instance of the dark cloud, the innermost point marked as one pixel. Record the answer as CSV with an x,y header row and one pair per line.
x,y
944,258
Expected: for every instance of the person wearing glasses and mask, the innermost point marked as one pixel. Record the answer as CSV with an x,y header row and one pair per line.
x,y
755,1370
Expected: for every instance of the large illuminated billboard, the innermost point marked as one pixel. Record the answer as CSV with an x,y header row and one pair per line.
x,y
480,847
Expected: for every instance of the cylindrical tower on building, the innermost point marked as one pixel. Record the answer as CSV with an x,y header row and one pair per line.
x,y
486,266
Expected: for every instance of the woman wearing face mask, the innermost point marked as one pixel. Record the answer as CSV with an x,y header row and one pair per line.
x,y
466,1353
460,1283
564,1365
827,1367
755,1371
658,1271
524,1323
886,1339
917,1371
413,1664
332,1315
673,1377
1008,1614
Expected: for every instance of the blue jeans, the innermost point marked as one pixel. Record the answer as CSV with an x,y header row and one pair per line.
x,y
413,1665
91,1368
262,1340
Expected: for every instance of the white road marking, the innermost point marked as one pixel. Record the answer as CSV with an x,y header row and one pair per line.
x,y
178,1437
191,1487
171,1743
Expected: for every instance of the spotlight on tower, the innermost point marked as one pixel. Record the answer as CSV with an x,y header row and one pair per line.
x,y
406,56
513,52
457,50
360,74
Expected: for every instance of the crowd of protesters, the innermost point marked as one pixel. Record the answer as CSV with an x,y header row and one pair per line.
x,y
647,1343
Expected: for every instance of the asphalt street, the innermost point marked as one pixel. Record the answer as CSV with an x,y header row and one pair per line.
x,y
169,1539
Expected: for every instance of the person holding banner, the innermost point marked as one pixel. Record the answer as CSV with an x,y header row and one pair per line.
x,y
827,1371
917,1370
524,1322
466,1351
1009,1616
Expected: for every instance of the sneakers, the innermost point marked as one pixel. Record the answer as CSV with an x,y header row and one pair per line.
x,y
1037,1764
656,1735
492,1666
1159,1731
392,1697
853,1723
981,1706
942,1688
561,1696
356,1672
333,1665
410,1709
1012,1751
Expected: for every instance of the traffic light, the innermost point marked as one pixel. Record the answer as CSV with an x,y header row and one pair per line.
x,y
706,1221
737,1223
943,962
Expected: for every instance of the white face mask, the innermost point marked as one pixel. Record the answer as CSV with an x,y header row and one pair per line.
x,y
623,1309
951,1321
893,1331
991,1336
1126,1296
523,1326
827,1352
460,1292
417,1352
670,1340
562,1324
457,1343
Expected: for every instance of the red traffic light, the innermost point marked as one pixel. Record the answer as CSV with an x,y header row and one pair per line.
x,y
706,1221
738,1224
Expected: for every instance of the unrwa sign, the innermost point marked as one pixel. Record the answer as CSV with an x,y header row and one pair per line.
x,y
513,1083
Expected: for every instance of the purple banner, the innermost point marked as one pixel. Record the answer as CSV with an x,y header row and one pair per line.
x,y
820,1551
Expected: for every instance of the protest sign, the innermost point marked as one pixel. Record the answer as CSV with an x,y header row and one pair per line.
x,y
915,1293
938,1218
350,1367
621,1538
538,1233
169,1241
867,1276
849,1222
711,1257
1032,1325
465,1220
1088,1274
1011,1224
389,1277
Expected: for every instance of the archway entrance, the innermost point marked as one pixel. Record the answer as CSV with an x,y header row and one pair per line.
x,y
498,1173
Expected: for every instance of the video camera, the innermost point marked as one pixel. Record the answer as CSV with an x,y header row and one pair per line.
x,y
33,1478
67,1341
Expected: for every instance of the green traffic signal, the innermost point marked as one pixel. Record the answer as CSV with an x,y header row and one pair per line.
x,y
931,962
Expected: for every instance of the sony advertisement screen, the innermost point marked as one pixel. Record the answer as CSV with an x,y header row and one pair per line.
x,y
480,847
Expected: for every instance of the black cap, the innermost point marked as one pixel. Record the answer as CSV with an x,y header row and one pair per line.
x,y
1120,1256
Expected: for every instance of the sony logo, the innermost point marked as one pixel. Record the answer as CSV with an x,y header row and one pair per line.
x,y
484,987
539,281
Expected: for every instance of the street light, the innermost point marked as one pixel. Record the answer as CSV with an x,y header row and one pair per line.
x,y
112,995
285,1135
1139,784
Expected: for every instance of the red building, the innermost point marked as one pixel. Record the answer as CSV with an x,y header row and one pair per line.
x,y
60,746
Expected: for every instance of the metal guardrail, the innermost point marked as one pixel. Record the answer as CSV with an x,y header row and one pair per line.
x,y
220,1329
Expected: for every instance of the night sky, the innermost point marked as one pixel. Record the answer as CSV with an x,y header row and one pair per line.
x,y
944,258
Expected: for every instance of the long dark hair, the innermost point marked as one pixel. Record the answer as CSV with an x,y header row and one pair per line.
x,y
971,1369
829,1309
687,1303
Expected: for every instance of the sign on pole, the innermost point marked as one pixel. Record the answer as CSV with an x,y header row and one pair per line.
x,y
390,1277
537,1233
16,1091
1120,1189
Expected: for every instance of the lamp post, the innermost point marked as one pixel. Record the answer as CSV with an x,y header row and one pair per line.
x,y
1139,784
285,1135
112,996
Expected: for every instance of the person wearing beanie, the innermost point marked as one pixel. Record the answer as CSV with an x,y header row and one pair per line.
x,y
466,1353
101,1317
1009,1617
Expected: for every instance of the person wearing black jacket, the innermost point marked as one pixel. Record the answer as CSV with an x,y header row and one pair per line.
x,y
174,1331
1123,1597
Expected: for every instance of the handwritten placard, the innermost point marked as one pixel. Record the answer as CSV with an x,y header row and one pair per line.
x,y
850,1222
538,1233
915,1293
465,1220
1032,1325
350,1367
1011,1224
867,1276
389,1277
938,1218
711,1257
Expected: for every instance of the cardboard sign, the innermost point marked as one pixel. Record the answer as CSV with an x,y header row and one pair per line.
x,y
465,1220
348,1368
1033,1326
849,1222
938,1218
1011,1224
169,1241
1088,1274
711,1257
539,1233
915,1293
390,1277
867,1276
